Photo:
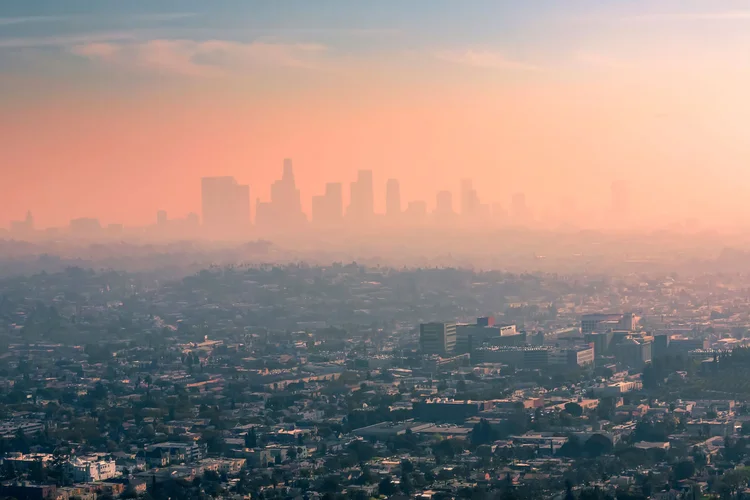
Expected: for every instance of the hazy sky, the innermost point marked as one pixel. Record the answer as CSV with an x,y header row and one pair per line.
x,y
116,108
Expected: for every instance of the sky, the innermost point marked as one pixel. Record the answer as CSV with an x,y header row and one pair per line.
x,y
115,109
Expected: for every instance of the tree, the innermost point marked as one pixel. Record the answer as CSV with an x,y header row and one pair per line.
x,y
406,484
598,445
574,409
482,433
386,487
363,451
684,470
571,448
406,466
251,440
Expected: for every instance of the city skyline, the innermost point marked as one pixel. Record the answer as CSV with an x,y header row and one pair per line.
x,y
118,107
226,207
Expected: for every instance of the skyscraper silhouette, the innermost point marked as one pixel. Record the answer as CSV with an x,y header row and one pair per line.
x,y
225,205
361,203
327,208
520,213
161,218
393,198
469,199
416,212
285,207
444,204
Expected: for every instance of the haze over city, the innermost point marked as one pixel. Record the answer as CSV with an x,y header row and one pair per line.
x,y
115,110
374,250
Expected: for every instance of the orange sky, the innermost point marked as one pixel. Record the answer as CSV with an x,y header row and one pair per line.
x,y
120,130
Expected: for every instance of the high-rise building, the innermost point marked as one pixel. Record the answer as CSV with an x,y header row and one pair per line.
x,y
335,197
416,212
225,205
327,208
444,204
469,199
437,338
361,203
285,208
392,198
520,212
161,218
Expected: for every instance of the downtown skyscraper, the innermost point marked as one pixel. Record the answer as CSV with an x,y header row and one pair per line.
x,y
285,207
327,209
392,198
362,198
225,206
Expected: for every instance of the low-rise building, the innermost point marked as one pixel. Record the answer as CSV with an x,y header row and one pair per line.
x,y
90,469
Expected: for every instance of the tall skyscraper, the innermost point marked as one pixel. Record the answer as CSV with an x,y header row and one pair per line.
x,y
161,218
469,199
225,205
361,203
416,212
444,204
327,208
393,198
335,198
520,213
285,207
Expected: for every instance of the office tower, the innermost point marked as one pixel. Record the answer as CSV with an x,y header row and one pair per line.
x,y
437,338
519,211
193,220
285,207
634,352
225,205
469,199
600,340
161,218
361,203
499,214
319,210
392,198
444,204
285,197
242,205
327,208
335,200
416,212
660,347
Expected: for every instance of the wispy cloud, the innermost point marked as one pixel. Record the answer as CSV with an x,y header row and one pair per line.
x,y
201,58
164,16
484,59
9,21
65,40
